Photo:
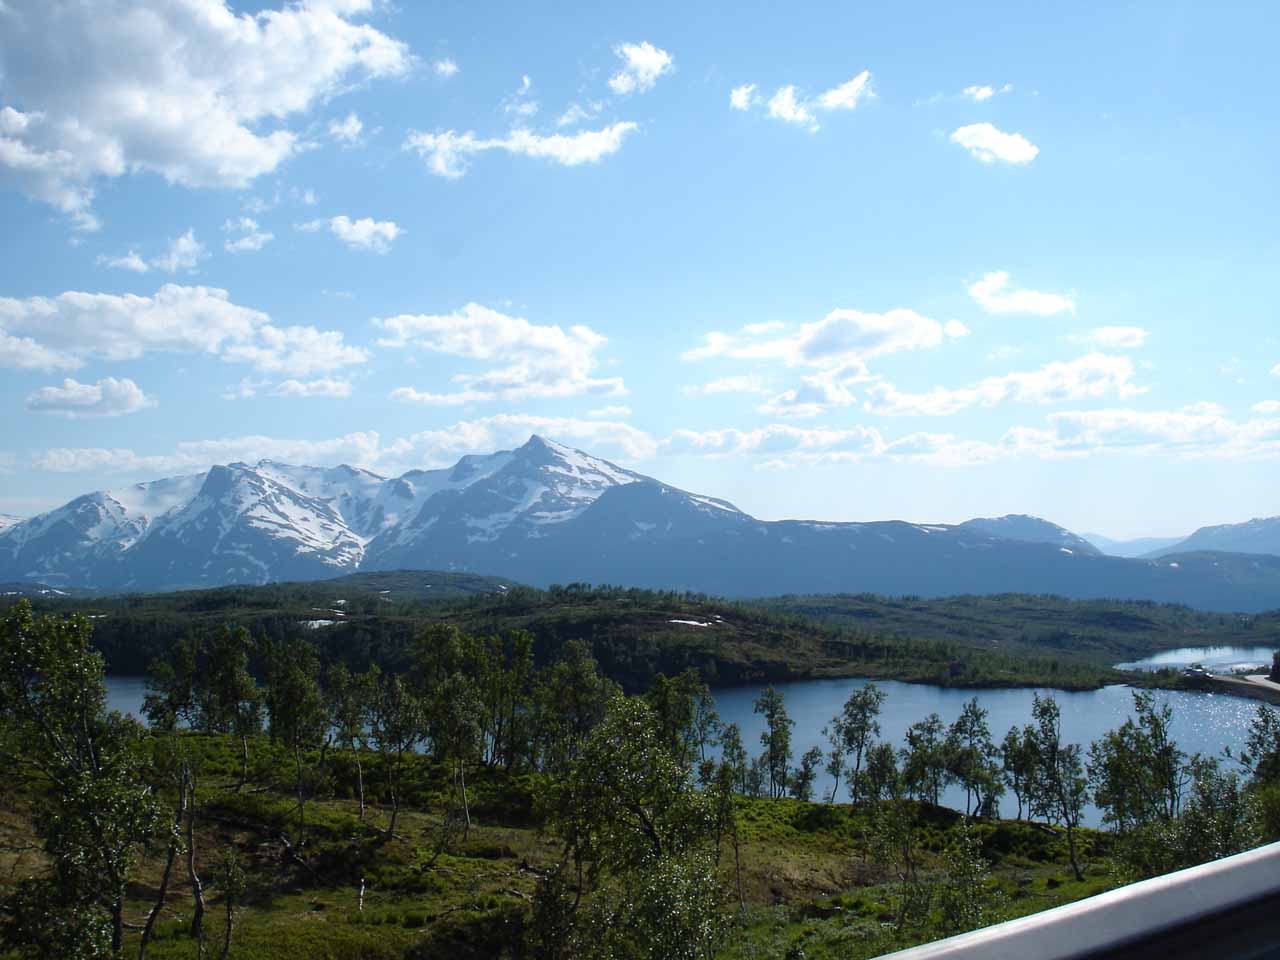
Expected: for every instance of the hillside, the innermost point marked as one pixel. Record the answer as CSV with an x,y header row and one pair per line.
x,y
1260,536
635,634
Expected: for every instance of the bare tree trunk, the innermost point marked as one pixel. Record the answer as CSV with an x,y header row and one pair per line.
x,y
170,856
466,809
226,935
302,799
244,761
360,782
197,888
1071,846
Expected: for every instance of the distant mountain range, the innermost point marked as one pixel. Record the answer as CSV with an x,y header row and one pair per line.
x,y
545,513
1259,536
1139,547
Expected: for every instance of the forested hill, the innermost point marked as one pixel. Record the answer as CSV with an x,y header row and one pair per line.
x,y
635,634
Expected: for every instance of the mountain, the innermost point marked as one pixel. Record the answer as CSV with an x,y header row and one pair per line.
x,y
1261,535
1130,548
545,513
8,520
1019,526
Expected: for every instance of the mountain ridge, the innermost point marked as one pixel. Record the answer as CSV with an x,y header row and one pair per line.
x,y
545,513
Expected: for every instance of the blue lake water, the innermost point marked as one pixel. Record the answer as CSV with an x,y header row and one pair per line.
x,y
1203,722
1213,659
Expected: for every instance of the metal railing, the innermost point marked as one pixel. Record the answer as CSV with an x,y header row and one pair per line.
x,y
1225,910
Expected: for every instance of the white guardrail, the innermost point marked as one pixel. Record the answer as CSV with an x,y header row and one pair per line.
x,y
1225,910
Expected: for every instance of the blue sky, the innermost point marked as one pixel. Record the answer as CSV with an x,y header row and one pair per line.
x,y
839,261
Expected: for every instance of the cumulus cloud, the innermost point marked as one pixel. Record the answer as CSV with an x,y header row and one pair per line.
x,y
193,92
533,360
185,253
978,94
323,387
1093,375
989,144
642,65
817,444
252,238
789,104
1115,338
363,234
1267,407
994,294
445,68
1275,371
614,412
346,131
841,337
449,154
108,397
130,261
67,330
743,97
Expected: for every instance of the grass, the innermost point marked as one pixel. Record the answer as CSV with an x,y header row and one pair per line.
x,y
809,880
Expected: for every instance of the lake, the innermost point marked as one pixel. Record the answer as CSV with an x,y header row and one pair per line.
x,y
1203,722
1214,659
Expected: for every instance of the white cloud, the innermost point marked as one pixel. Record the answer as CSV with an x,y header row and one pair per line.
x,y
448,154
1275,371
346,131
1267,407
192,92
955,329
1091,376
1115,338
841,337
324,387
849,94
979,94
989,144
428,449
521,103
819,392
23,353
445,68
994,295
252,238
642,65
790,106
540,361
1198,431
743,383
184,253
814,445
130,261
67,330
615,412
784,106
363,234
743,97
576,113
108,397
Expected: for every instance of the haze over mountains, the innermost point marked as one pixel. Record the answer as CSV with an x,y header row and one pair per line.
x,y
545,513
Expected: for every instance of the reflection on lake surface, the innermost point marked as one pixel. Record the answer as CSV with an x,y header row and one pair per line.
x,y
1214,659
1203,722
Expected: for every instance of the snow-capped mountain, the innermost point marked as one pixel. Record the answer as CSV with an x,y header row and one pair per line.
x,y
545,513
8,520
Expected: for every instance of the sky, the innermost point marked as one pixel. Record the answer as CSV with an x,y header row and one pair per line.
x,y
842,261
